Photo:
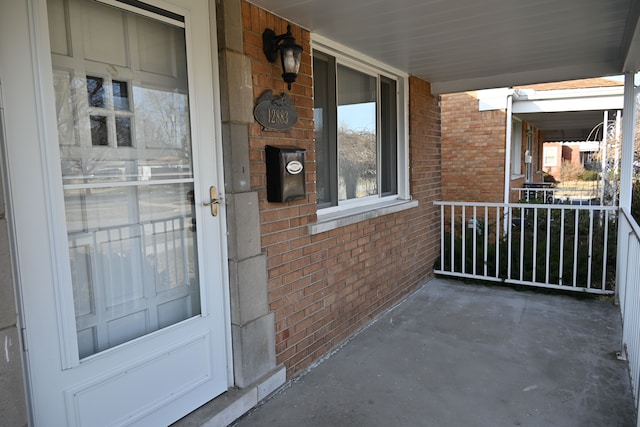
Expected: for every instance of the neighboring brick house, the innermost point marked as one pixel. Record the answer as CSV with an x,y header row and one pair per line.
x,y
556,156
476,122
473,150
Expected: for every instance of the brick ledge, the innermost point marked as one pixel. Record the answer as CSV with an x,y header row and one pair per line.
x,y
352,216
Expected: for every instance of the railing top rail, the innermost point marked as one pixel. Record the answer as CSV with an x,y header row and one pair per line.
x,y
557,190
527,205
87,231
635,228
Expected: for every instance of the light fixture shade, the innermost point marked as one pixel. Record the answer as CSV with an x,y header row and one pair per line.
x,y
290,57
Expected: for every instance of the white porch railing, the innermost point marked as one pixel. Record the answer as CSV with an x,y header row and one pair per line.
x,y
579,196
565,247
628,291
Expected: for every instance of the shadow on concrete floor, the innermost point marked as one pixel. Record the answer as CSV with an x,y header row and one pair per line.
x,y
455,354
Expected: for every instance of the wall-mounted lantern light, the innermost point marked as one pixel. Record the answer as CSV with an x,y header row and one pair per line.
x,y
290,52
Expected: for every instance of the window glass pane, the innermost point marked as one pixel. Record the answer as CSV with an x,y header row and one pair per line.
x,y
120,95
320,117
99,132
357,162
123,131
156,126
65,91
388,137
95,91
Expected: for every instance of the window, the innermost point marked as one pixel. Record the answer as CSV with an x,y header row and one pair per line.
x,y
516,148
356,132
550,156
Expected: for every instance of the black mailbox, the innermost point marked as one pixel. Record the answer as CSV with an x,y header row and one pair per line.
x,y
285,173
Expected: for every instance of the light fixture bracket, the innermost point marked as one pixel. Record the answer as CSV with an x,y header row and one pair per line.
x,y
270,44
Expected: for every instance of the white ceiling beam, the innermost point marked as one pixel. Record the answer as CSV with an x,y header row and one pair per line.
x,y
578,104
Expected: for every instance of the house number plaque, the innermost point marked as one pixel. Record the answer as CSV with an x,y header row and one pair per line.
x,y
275,113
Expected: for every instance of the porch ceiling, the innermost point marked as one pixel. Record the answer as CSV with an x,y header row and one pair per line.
x,y
460,45
567,125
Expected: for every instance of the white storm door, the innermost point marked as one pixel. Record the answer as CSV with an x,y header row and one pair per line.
x,y
138,314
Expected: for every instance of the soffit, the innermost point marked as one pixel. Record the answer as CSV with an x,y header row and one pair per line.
x,y
460,45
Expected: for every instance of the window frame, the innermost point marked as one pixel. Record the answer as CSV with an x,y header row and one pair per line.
x,y
547,157
362,63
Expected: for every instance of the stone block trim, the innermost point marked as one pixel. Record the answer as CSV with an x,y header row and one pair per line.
x,y
324,287
252,325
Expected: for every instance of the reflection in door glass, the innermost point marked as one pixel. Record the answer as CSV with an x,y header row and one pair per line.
x,y
125,147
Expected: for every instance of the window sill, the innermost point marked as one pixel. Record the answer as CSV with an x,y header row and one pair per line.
x,y
328,222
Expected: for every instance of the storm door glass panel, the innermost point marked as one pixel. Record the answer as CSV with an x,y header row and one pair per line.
x,y
357,134
125,146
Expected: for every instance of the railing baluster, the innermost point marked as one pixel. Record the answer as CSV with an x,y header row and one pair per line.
x,y
590,254
548,248
442,237
453,241
174,246
522,243
575,247
154,240
185,254
165,230
464,239
605,250
486,238
509,229
498,238
561,266
475,234
535,245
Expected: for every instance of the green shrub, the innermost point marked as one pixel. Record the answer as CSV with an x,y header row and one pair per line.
x,y
588,176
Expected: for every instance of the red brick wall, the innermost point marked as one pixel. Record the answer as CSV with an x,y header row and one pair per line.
x,y
473,149
324,287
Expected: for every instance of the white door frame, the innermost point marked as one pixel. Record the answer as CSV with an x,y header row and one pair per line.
x,y
38,246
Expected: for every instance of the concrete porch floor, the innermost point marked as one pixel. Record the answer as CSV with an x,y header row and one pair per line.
x,y
455,354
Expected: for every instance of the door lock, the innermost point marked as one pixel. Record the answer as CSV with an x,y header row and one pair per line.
x,y
215,201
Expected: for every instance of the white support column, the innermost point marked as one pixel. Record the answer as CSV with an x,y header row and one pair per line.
x,y
603,156
507,148
507,158
628,140
626,172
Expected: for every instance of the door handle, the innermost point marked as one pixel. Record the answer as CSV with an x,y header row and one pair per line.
x,y
215,201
